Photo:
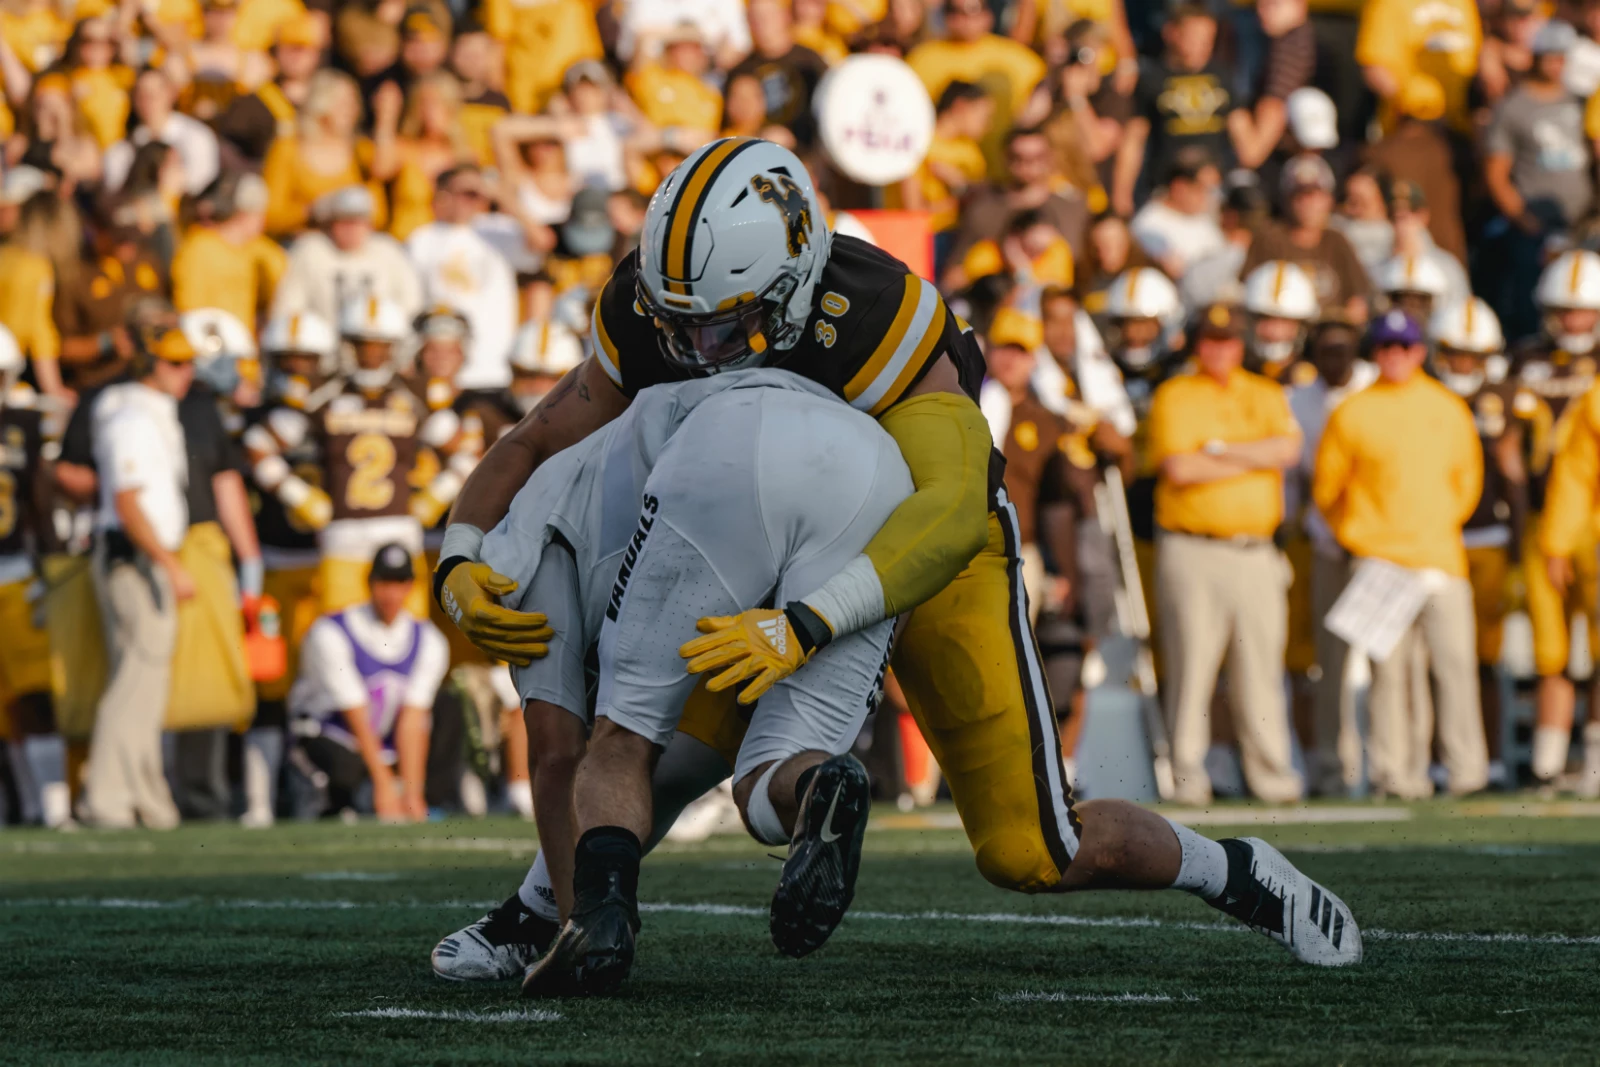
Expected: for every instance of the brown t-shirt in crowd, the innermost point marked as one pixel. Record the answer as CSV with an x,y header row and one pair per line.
x,y
99,300
251,123
788,83
1419,153
1335,269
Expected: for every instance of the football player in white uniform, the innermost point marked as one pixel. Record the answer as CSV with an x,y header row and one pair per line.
x,y
754,485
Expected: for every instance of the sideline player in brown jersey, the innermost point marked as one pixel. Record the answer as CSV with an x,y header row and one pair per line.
x,y
1469,360
737,268
1553,370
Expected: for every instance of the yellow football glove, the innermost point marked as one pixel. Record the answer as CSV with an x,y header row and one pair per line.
x,y
315,511
760,648
427,508
471,597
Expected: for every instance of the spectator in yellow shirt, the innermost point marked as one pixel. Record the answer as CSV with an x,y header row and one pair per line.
x,y
27,299
414,145
324,154
1008,69
1399,38
99,83
542,40
673,92
226,262
1398,473
35,32
1221,439
478,60
954,162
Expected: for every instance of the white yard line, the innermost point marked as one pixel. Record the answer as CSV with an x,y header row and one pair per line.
x,y
747,911
532,1015
1031,997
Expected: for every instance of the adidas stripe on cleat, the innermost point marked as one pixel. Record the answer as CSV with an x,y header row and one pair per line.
x,y
498,947
1271,896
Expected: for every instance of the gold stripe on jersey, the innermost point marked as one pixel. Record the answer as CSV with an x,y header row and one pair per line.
x,y
604,349
917,326
690,197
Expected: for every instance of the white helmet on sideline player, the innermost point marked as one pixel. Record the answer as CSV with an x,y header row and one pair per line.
x,y
545,348
1470,346
734,245
1469,326
306,332
1571,284
1282,302
372,328
1138,295
221,344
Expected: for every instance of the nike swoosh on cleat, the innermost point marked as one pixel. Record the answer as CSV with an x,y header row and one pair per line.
x,y
827,822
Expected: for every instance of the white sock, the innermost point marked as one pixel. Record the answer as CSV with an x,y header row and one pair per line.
x,y
520,796
537,894
27,787
1550,751
1203,870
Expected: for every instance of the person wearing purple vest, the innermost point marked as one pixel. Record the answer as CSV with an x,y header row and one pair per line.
x,y
362,700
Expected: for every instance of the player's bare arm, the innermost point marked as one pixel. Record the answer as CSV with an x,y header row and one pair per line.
x,y
469,591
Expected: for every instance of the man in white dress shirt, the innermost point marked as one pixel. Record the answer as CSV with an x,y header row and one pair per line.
x,y
362,703
463,271
143,465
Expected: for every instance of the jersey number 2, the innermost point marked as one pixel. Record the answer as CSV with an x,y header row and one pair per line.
x,y
371,457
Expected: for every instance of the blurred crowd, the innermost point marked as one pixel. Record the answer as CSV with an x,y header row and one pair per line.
x,y
1271,294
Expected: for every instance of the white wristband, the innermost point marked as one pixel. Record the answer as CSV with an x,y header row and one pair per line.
x,y
462,539
270,471
851,600
293,491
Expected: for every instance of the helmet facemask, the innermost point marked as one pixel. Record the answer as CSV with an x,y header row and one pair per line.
x,y
744,335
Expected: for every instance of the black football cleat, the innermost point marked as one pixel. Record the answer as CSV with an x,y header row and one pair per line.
x,y
593,953
819,877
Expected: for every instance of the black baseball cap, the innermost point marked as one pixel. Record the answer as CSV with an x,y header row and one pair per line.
x,y
392,563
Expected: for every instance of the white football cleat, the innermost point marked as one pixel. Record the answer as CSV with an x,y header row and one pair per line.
x,y
1312,923
496,948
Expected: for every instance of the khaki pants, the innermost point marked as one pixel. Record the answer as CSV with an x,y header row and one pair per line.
x,y
1336,742
1401,742
1220,601
141,627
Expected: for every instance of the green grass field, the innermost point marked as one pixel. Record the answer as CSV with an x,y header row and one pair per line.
x,y
309,944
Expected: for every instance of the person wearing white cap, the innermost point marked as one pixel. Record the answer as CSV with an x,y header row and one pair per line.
x,y
1307,238
343,260
1281,102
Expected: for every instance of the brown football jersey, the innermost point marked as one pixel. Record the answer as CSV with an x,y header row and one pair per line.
x,y
20,443
1502,502
1549,379
369,446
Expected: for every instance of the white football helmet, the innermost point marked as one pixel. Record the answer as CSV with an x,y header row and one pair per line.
x,y
1279,289
1142,293
545,348
1468,326
1570,282
372,318
1412,274
734,245
306,332
221,343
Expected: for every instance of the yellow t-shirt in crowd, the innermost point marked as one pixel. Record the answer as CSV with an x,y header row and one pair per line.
x,y
1398,472
209,272
1192,409
292,187
410,199
944,208
846,18
830,46
256,28
35,37
27,301
1437,37
674,97
477,119
1006,70
1053,266
542,38
1571,509
102,97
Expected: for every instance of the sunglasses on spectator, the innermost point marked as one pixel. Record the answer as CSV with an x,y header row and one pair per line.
x,y
471,192
966,9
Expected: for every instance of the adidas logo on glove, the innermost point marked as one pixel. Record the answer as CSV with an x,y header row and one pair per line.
x,y
776,631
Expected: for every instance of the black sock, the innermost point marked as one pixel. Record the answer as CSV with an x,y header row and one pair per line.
x,y
802,783
532,928
1244,897
606,870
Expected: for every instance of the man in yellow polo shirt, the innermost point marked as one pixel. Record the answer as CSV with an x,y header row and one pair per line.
x,y
1399,472
1221,438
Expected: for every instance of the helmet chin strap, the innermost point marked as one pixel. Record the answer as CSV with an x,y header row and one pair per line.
x,y
372,379
1462,384
1579,344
